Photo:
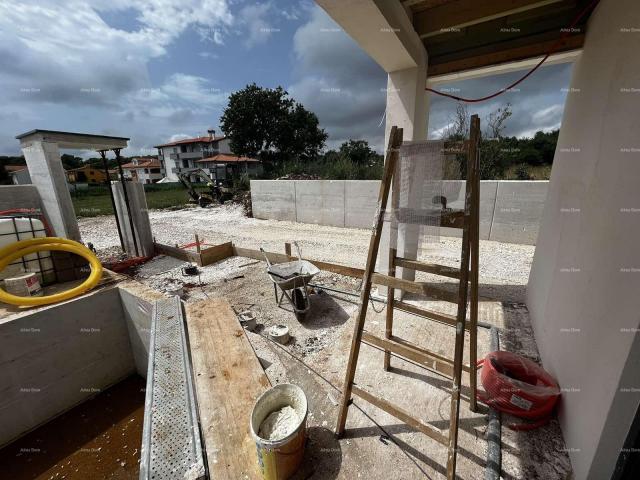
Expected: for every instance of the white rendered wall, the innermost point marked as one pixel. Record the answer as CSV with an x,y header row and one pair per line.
x,y
583,292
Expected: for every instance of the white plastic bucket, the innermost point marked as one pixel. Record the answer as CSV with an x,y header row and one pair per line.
x,y
279,459
26,285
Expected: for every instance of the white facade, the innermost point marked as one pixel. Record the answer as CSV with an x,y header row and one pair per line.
x,y
181,157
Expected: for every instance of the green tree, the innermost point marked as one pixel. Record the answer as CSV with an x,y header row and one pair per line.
x,y
359,152
267,123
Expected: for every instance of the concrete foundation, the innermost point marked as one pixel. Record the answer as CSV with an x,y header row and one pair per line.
x,y
56,357
139,215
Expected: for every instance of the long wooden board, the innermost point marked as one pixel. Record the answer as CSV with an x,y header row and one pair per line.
x,y
228,380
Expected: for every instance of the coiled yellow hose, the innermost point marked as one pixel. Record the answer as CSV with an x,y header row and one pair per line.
x,y
25,247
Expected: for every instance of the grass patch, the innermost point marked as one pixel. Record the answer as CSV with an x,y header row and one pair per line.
x,y
96,200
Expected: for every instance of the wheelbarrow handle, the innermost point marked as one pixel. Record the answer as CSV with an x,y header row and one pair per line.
x,y
265,257
298,249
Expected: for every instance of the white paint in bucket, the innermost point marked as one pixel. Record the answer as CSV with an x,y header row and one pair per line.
x,y
279,459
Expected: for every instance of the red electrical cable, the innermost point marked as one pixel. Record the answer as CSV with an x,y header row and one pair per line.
x,y
519,387
551,51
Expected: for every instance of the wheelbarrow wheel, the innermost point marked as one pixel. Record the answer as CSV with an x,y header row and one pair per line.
x,y
299,302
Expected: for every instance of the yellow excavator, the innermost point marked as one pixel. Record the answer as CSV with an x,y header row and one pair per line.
x,y
217,192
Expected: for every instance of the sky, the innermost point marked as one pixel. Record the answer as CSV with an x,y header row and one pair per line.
x,y
159,70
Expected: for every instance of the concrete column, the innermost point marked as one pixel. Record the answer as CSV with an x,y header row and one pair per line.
x,y
408,108
585,278
48,176
140,217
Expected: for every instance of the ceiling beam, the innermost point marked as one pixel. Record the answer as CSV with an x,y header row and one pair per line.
x,y
515,66
538,49
463,13
381,28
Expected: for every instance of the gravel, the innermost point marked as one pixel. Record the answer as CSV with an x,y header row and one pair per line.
x,y
500,263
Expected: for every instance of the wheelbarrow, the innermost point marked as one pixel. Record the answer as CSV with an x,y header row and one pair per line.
x,y
293,279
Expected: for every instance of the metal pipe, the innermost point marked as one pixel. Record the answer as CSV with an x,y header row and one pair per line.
x,y
103,154
494,429
126,201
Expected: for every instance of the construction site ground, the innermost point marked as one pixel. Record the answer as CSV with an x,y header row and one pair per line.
x,y
375,444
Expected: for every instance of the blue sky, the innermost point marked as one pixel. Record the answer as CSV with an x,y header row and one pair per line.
x,y
155,70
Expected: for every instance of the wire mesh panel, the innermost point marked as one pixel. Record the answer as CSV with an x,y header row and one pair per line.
x,y
418,195
171,446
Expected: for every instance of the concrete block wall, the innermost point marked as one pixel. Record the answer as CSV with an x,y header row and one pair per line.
x,y
510,211
57,357
19,196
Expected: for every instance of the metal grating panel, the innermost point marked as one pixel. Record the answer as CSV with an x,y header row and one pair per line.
x,y
171,446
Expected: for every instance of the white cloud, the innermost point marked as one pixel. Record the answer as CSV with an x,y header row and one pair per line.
x,y
55,52
338,82
258,28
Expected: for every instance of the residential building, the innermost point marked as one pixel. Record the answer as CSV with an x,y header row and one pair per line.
x,y
184,156
143,170
86,174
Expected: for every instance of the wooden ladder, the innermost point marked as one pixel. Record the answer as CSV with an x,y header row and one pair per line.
x,y
468,221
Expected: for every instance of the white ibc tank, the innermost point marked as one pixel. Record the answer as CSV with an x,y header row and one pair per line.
x,y
23,228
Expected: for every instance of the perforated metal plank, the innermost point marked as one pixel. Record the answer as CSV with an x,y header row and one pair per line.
x,y
171,445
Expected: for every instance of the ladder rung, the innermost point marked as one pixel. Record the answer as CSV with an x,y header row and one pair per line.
x,y
421,288
430,314
435,269
434,362
401,415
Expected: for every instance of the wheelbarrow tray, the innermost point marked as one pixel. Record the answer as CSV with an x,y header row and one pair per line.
x,y
292,275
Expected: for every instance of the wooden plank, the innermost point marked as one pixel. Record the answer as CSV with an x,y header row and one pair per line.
x,y
463,13
473,275
421,288
217,253
454,417
388,332
507,55
395,141
435,269
282,258
228,379
401,415
176,252
423,312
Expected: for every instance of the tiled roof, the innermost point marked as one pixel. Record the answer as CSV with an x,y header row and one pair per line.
x,y
205,139
14,168
143,163
227,158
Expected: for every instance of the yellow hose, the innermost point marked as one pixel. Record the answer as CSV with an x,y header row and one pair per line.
x,y
25,247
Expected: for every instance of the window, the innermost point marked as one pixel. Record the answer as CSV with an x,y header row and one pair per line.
x,y
155,170
146,170
183,148
185,163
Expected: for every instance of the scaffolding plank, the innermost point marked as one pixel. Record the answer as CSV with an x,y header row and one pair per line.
x,y
228,380
171,446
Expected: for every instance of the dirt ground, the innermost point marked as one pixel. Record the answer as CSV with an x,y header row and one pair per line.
x,y
100,438
375,445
